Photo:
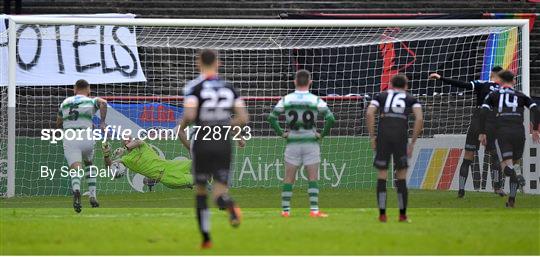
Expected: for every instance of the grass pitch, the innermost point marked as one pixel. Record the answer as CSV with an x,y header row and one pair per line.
x,y
164,223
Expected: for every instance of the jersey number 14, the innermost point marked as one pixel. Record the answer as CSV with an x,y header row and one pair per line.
x,y
504,100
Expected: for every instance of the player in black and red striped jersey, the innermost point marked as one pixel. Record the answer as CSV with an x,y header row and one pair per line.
x,y
481,89
509,105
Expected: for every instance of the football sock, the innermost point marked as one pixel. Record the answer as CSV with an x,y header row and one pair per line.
x,y
224,201
495,178
313,193
485,171
463,173
286,196
509,171
495,172
203,217
403,195
513,187
75,183
476,175
91,180
381,195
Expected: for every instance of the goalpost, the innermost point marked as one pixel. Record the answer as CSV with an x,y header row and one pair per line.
x,y
351,60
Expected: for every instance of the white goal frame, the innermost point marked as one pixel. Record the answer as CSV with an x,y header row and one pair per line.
x,y
523,25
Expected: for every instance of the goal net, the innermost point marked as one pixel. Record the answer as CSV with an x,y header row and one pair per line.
x,y
349,63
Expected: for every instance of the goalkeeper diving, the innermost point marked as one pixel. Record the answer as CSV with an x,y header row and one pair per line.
x,y
138,156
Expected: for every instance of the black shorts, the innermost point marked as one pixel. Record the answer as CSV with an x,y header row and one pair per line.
x,y
391,145
471,142
510,144
490,136
211,159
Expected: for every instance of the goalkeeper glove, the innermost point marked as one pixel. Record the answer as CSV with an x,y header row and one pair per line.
x,y
106,149
120,151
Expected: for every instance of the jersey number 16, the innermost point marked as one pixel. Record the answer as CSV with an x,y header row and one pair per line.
x,y
396,102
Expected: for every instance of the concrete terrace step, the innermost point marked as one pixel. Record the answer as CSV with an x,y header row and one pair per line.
x,y
207,12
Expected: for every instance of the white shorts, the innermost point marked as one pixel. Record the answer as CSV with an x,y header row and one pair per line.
x,y
303,154
78,151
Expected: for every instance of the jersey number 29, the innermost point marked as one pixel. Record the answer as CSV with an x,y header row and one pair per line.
x,y
307,119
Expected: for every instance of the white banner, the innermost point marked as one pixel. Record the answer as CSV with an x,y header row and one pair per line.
x,y
62,54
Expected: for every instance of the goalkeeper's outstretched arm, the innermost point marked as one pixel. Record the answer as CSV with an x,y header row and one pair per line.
x,y
133,144
106,149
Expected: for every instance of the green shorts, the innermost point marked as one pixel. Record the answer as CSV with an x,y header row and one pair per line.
x,y
178,174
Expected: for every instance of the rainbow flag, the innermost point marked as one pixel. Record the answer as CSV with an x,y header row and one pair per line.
x,y
502,48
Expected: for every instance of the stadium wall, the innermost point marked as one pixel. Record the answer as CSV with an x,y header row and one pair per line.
x,y
272,10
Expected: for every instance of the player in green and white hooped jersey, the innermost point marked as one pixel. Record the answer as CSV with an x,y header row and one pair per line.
x,y
301,109
76,113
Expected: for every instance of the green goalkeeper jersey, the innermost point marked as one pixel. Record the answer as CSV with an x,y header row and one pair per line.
x,y
301,109
145,161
